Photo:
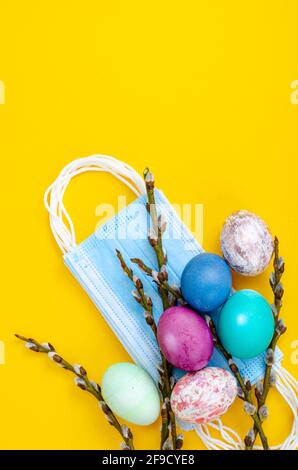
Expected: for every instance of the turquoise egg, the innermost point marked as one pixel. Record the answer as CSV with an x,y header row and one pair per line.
x,y
131,393
246,324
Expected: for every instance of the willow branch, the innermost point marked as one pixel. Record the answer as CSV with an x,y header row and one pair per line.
x,y
159,225
164,370
245,386
157,229
161,279
262,389
82,381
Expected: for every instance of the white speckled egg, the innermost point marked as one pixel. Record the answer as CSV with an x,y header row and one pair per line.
x,y
246,243
203,396
131,393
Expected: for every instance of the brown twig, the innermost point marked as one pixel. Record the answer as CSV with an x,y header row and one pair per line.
x,y
244,385
83,382
159,225
161,279
156,231
139,295
262,388
164,370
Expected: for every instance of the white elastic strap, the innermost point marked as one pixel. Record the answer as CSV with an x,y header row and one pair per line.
x,y
287,386
230,439
60,221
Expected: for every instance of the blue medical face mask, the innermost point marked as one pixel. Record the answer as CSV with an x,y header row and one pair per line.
x,y
95,265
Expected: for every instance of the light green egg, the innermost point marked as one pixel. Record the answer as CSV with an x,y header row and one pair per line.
x,y
131,393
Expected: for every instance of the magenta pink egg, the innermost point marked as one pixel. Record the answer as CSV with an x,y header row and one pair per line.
x,y
184,338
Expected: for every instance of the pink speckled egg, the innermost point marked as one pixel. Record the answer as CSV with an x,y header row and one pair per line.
x,y
246,243
203,396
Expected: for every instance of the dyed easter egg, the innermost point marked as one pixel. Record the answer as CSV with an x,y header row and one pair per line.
x,y
246,243
184,338
206,282
246,324
131,393
203,396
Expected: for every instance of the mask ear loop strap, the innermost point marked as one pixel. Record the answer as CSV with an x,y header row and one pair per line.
x,y
230,439
60,221
287,386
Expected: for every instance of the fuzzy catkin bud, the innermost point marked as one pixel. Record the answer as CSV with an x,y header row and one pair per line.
x,y
269,358
124,446
162,223
79,369
31,346
272,379
94,385
172,299
233,366
136,296
149,178
172,382
167,401
160,386
56,358
80,383
251,434
126,432
104,407
48,346
259,389
274,310
176,289
263,412
155,277
138,283
247,385
163,273
167,445
280,264
163,406
279,291
249,408
163,269
149,318
272,279
280,327
152,236
249,438
109,420
179,441
164,412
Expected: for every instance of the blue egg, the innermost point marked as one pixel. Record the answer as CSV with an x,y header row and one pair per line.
x,y
246,324
206,282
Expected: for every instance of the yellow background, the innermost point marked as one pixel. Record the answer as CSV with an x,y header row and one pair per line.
x,y
200,91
